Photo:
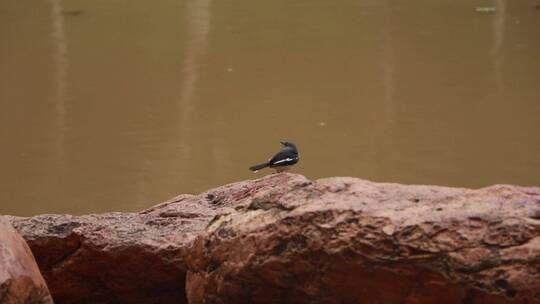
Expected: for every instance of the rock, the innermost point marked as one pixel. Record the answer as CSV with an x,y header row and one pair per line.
x,y
20,280
285,239
124,257
114,257
345,240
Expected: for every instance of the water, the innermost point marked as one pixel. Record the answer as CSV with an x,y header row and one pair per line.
x,y
118,105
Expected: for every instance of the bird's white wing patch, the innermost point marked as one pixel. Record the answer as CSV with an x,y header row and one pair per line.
x,y
284,160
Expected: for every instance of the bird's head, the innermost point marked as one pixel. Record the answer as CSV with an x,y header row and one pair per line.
x,y
288,144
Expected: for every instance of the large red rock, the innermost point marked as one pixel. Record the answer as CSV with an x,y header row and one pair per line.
x,y
346,240
124,257
20,280
285,239
114,257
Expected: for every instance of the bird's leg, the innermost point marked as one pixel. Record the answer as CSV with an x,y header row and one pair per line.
x,y
282,169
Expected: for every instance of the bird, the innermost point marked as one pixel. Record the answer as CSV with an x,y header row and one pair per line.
x,y
282,161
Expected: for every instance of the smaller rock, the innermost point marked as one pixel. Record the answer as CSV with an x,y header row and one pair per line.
x,y
20,279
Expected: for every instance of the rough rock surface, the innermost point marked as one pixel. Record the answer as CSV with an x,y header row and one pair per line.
x,y
115,257
285,239
345,240
20,280
124,257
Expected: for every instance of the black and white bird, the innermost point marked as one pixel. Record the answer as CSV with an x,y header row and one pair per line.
x,y
282,161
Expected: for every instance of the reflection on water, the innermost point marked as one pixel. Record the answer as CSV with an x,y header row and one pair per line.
x,y
198,27
60,63
498,41
120,105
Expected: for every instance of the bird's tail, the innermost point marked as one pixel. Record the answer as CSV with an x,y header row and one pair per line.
x,y
258,167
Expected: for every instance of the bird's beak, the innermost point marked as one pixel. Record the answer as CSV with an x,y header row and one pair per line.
x,y
282,142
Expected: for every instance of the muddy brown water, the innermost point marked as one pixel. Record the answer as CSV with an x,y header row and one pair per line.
x,y
118,105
